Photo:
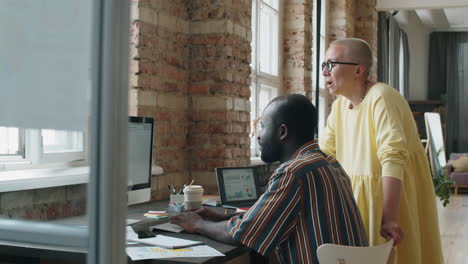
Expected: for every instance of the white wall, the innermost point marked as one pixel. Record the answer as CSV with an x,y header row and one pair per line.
x,y
418,40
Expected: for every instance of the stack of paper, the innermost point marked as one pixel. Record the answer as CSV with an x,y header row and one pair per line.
x,y
173,247
138,253
156,214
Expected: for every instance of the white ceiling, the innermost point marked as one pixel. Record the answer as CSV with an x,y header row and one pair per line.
x,y
439,15
447,19
457,17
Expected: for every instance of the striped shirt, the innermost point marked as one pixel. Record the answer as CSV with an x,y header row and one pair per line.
x,y
308,202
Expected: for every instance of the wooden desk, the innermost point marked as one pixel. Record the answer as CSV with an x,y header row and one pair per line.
x,y
46,255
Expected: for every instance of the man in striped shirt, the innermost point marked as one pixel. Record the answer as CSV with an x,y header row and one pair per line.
x,y
308,201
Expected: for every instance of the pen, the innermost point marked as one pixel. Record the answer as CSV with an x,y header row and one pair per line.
x,y
182,189
171,189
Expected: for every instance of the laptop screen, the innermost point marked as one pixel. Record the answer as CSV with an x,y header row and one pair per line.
x,y
237,186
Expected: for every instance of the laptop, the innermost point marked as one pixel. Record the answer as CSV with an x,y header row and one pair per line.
x,y
238,187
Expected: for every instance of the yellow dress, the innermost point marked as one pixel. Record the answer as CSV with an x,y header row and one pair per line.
x,y
379,139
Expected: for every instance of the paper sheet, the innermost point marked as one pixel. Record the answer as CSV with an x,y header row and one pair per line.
x,y
139,253
130,234
166,241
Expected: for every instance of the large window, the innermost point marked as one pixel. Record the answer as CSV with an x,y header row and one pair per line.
x,y
11,142
265,58
324,96
20,148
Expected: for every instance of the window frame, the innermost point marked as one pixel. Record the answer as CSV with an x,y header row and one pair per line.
x,y
324,97
64,156
259,78
33,155
18,156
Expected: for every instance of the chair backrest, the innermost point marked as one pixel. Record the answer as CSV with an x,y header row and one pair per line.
x,y
338,254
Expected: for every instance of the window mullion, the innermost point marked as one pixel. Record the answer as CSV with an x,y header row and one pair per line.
x,y
32,146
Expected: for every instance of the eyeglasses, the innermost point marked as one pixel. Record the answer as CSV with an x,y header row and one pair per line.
x,y
330,64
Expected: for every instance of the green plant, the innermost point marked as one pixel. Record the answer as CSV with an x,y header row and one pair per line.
x,y
442,186
442,182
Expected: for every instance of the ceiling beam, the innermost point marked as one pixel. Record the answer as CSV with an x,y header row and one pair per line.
x,y
418,4
433,18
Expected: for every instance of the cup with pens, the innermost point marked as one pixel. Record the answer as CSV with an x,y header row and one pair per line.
x,y
176,199
188,197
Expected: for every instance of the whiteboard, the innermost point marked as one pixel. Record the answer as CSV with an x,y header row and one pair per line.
x,y
435,141
45,63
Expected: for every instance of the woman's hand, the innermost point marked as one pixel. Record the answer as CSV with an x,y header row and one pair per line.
x,y
390,230
391,205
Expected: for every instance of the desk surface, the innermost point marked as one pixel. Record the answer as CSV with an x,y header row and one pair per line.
x,y
134,212
137,211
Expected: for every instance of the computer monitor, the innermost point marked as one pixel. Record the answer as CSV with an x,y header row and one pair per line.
x,y
140,149
237,186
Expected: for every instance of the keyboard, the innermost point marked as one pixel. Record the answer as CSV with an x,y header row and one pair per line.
x,y
167,226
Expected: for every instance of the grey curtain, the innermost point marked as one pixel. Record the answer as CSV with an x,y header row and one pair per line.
x,y
406,64
392,40
382,51
448,75
393,53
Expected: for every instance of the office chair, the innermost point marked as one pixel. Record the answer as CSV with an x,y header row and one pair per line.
x,y
338,254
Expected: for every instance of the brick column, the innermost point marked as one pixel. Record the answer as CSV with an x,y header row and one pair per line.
x,y
354,19
158,84
341,19
366,27
297,41
219,90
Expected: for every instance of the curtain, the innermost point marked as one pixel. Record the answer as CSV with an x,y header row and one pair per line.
x,y
406,64
448,75
382,51
393,54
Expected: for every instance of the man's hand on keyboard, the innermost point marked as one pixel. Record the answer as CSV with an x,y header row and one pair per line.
x,y
189,221
210,215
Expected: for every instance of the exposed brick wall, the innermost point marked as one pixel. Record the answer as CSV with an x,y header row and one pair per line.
x,y
190,71
353,19
341,19
159,74
219,80
297,47
366,28
44,204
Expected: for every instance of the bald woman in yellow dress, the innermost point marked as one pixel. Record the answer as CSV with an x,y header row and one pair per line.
x,y
372,133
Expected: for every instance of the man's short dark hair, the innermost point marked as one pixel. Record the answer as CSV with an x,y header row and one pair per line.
x,y
299,114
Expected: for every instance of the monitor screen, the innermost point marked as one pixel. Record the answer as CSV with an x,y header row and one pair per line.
x,y
140,148
237,185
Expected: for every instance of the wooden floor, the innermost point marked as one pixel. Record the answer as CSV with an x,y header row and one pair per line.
x,y
453,222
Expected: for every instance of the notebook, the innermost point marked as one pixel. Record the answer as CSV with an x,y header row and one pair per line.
x,y
238,186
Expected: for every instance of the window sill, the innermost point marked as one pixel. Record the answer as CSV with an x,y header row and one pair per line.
x,y
17,180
